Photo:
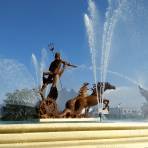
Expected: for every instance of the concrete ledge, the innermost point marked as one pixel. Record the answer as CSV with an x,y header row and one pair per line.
x,y
123,143
55,127
87,134
70,136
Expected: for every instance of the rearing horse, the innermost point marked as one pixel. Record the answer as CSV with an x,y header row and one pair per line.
x,y
75,106
92,100
69,110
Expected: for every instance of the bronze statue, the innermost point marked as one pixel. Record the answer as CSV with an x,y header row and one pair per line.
x,y
69,110
74,107
92,100
53,75
48,106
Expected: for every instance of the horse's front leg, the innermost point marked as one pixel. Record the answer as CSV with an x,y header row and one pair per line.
x,y
87,111
106,104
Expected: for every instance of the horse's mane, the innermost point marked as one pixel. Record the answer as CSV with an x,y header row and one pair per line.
x,y
83,92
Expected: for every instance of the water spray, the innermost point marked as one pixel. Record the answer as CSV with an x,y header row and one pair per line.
x,y
89,20
112,16
36,67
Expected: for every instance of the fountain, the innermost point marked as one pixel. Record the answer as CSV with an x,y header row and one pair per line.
x,y
40,66
90,23
74,132
43,65
112,15
36,67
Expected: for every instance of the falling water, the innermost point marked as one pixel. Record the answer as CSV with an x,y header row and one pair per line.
x,y
124,77
90,23
137,83
111,17
36,67
90,32
43,63
43,67
40,66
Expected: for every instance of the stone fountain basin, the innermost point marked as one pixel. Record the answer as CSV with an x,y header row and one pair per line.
x,y
73,133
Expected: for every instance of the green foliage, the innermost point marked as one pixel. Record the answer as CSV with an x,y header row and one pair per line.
x,y
26,97
21,105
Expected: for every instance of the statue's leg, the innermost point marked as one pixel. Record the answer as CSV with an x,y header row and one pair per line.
x,y
62,70
41,91
53,94
46,79
43,87
55,80
53,90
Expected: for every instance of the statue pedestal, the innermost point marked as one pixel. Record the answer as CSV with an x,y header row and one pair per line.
x,y
74,133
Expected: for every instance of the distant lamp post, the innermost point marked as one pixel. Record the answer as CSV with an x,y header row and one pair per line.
x,y
119,110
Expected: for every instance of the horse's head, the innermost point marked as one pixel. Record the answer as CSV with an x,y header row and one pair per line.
x,y
105,86
83,90
85,84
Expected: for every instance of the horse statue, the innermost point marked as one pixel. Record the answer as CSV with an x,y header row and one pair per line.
x,y
75,106
48,106
69,110
94,98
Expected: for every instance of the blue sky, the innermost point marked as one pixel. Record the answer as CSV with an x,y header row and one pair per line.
x,y
27,26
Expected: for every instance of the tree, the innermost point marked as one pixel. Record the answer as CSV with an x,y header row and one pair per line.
x,y
21,105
